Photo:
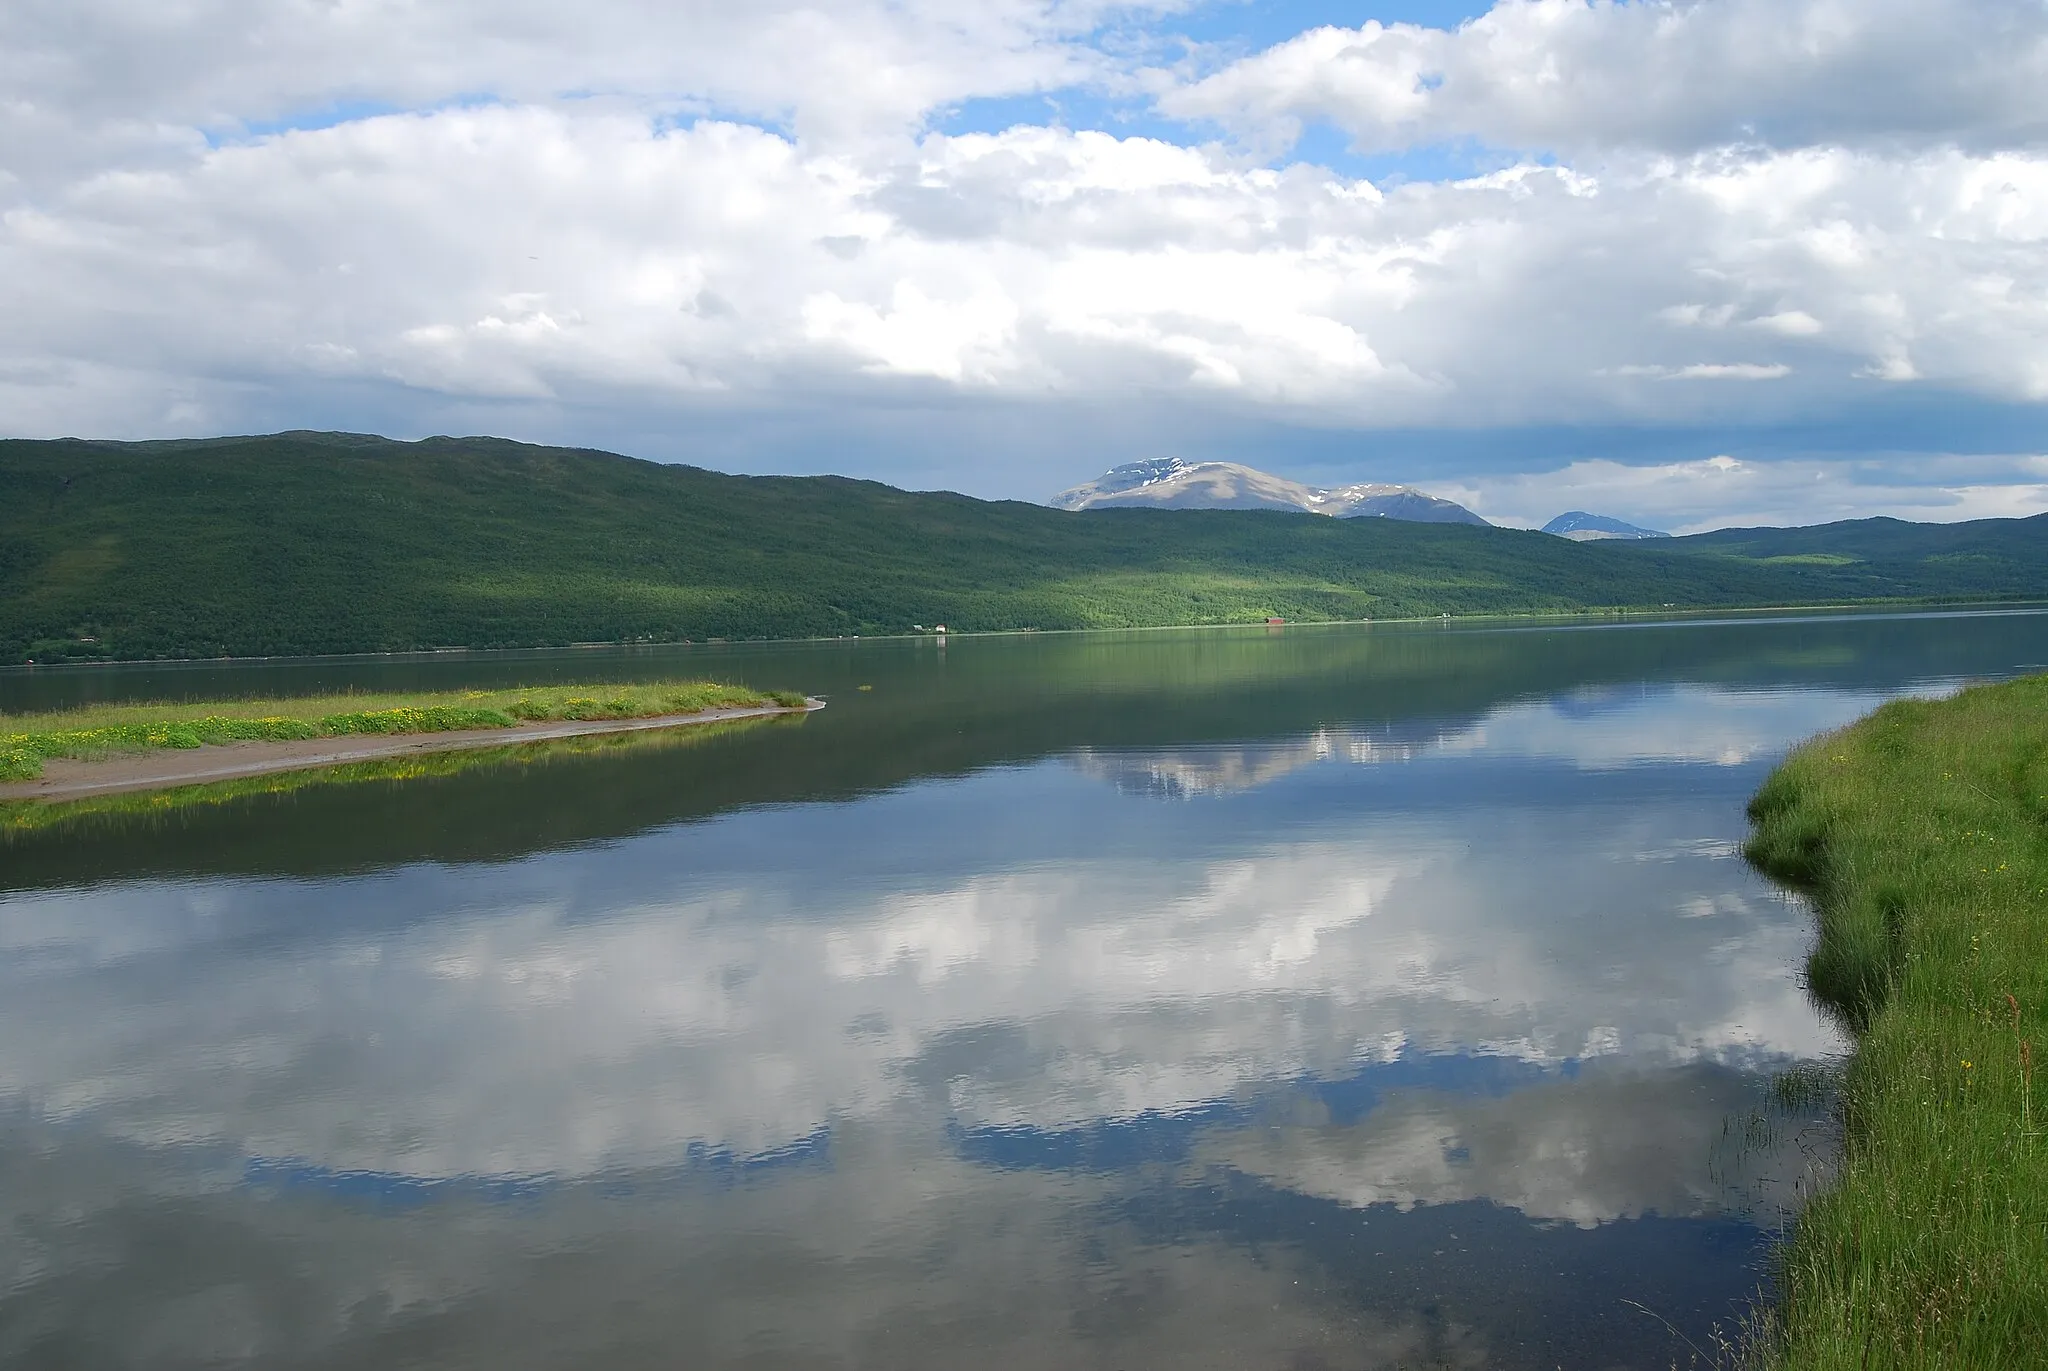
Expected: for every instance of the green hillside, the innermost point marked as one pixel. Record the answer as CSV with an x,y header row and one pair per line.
x,y
313,543
1983,557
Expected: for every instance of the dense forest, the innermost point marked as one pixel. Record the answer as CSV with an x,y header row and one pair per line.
x,y
320,542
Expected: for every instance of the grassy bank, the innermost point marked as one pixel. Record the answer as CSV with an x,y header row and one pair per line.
x,y
28,740
1919,835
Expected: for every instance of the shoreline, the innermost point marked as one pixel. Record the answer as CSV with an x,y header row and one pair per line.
x,y
1904,605
160,769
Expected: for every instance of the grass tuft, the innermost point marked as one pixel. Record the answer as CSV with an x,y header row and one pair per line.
x,y
417,719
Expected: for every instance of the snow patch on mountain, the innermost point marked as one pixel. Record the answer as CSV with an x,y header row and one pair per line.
x,y
1171,483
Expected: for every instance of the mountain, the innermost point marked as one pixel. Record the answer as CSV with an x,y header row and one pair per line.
x,y
322,542
1582,527
1170,483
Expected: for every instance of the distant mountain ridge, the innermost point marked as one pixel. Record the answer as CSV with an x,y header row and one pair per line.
x,y
1582,527
1172,483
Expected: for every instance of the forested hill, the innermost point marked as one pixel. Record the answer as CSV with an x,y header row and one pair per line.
x,y
314,542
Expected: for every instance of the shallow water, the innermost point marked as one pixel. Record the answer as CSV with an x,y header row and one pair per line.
x,y
1326,997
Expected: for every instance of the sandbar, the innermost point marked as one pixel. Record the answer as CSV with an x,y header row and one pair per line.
x,y
69,779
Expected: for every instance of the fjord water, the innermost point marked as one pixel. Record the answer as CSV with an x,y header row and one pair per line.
x,y
1359,996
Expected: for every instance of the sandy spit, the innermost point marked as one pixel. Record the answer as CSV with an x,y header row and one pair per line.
x,y
66,779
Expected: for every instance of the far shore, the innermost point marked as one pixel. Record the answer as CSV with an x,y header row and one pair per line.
x,y
69,779
1905,606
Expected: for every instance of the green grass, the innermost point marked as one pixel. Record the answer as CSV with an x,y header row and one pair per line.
x,y
328,543
28,740
1810,559
1921,836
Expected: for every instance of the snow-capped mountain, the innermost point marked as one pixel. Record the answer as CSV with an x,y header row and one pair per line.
x,y
1170,483
1582,527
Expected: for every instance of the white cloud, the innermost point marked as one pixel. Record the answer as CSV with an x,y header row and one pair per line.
x,y
587,258
1722,492
539,247
1711,371
1680,76
846,67
1793,323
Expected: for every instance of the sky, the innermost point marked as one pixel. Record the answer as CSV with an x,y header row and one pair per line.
x,y
1690,263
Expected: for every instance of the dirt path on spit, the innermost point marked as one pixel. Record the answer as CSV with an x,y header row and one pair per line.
x,y
66,779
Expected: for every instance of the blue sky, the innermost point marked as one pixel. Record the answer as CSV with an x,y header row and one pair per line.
x,y
1690,263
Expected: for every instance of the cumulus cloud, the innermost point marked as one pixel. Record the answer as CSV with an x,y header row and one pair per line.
x,y
531,253
1678,76
834,69
574,225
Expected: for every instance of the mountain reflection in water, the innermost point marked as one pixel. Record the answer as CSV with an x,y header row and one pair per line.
x,y
922,1036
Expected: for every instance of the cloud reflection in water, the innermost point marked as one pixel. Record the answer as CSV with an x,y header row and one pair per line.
x,y
1514,962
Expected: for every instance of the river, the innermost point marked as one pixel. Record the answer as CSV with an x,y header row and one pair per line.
x,y
1308,997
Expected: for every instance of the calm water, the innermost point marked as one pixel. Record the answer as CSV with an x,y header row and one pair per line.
x,y
1351,997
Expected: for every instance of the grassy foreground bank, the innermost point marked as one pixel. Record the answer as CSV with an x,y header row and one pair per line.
x,y
28,740
1921,835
